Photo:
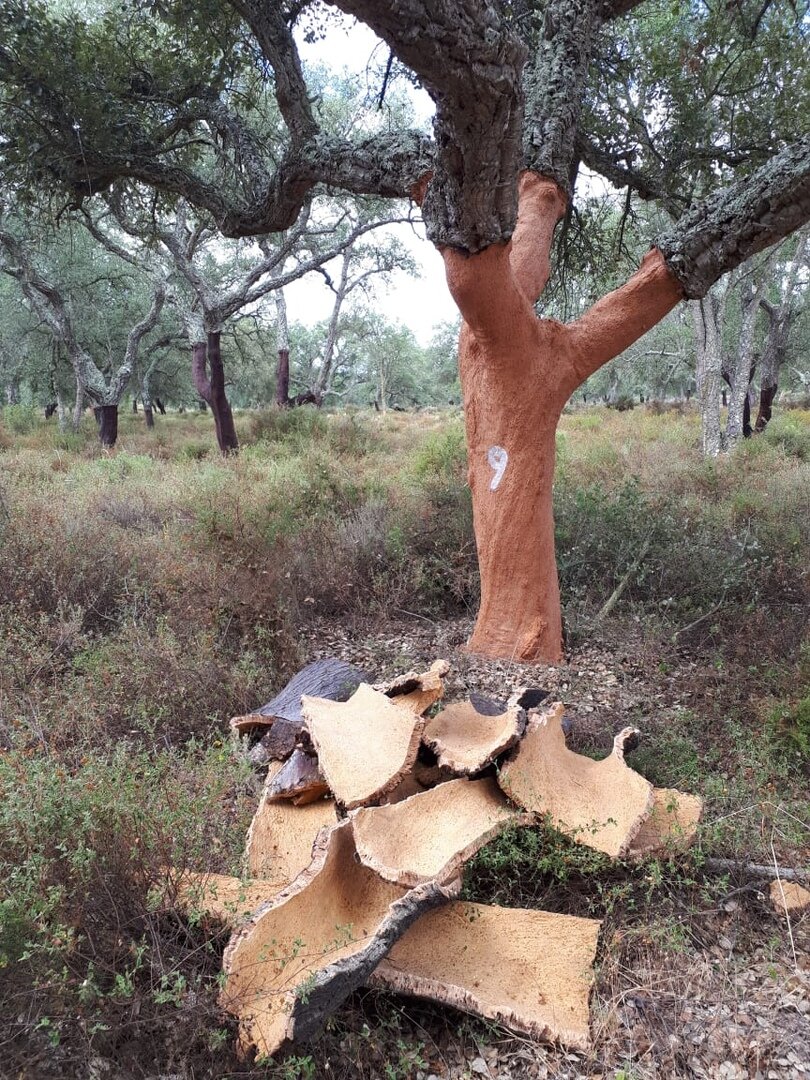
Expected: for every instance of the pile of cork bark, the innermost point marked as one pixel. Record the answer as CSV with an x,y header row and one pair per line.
x,y
369,811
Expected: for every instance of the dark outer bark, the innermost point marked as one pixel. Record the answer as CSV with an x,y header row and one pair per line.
x,y
50,409
738,221
160,406
555,85
470,62
283,378
766,398
328,678
107,419
220,406
149,416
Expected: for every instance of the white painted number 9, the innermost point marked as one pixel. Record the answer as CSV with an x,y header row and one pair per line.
x,y
498,460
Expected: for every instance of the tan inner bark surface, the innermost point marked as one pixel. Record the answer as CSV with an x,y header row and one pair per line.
x,y
364,745
671,825
465,740
332,913
433,834
789,897
601,804
281,836
530,970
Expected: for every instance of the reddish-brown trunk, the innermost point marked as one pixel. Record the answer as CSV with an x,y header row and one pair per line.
x,y
212,389
766,398
517,372
283,378
149,416
107,419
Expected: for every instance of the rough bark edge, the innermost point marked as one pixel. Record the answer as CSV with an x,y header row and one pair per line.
x,y
332,986
452,868
415,681
400,982
327,991
494,750
410,760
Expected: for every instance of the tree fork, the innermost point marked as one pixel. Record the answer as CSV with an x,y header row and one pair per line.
x,y
517,373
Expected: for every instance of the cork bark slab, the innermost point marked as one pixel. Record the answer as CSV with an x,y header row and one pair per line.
x,y
602,804
672,824
528,970
303,953
365,745
789,898
433,834
465,740
228,899
281,837
417,691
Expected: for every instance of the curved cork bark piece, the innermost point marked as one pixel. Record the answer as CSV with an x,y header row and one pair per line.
x,y
528,970
789,898
300,956
229,899
672,824
281,837
365,745
465,740
433,834
601,804
250,722
417,691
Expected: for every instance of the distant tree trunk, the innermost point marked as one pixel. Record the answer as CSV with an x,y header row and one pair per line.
x,y
211,389
283,346
146,398
135,405
741,372
78,407
107,419
708,315
724,396
161,408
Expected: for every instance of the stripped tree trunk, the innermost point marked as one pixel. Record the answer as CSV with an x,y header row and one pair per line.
x,y
78,407
517,373
107,419
206,354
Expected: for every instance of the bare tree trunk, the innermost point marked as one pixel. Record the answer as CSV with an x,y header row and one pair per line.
x,y
708,315
283,347
107,418
738,423
517,372
212,389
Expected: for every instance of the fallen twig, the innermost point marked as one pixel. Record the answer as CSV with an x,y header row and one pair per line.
x,y
758,870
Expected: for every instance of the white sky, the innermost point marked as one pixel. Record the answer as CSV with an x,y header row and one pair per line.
x,y
419,302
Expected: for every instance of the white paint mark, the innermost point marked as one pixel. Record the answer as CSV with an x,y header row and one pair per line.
x,y
498,460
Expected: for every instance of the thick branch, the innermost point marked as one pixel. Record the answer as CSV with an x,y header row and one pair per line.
x,y
471,64
555,85
541,205
738,221
621,317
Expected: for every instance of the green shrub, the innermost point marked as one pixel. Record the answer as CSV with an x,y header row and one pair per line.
x,y
791,434
20,419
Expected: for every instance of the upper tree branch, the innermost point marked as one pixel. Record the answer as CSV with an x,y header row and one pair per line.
x,y
470,62
555,85
738,221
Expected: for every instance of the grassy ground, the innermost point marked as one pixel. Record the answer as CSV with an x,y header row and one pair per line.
x,y
149,594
